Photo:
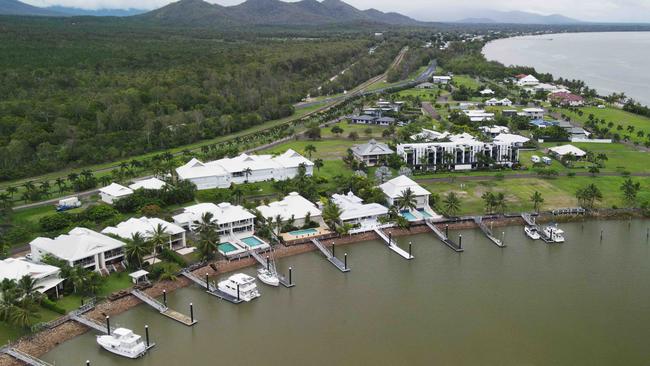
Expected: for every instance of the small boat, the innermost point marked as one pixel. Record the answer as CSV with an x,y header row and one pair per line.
x,y
241,286
268,277
123,342
532,233
554,234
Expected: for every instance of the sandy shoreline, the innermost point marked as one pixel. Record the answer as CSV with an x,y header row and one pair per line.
x,y
44,341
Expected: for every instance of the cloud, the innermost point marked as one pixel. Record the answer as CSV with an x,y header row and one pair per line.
x,y
593,10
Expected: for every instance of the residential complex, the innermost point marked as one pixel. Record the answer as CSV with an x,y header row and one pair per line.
x,y
355,212
146,227
293,206
47,278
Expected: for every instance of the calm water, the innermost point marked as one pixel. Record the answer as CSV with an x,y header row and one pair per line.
x,y
580,303
608,62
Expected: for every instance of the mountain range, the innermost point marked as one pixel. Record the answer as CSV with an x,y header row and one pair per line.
x,y
517,17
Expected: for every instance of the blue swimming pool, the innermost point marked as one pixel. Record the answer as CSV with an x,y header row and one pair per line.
x,y
304,232
424,213
227,248
409,216
252,241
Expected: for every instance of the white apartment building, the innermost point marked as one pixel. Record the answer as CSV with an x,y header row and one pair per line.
x,y
146,227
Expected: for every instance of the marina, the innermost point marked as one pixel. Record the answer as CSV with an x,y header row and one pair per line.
x,y
506,294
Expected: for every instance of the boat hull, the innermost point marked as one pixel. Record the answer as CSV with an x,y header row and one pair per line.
x,y
120,352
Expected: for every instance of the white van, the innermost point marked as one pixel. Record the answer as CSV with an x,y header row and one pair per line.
x,y
535,159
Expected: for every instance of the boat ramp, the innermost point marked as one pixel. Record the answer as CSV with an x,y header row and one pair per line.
x,y
163,308
392,245
444,238
211,289
343,267
479,221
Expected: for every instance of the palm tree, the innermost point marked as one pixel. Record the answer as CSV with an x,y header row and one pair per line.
x,y
318,163
247,173
537,200
159,238
105,180
29,288
12,190
23,313
451,204
60,183
5,200
309,150
407,201
332,215
136,248
237,192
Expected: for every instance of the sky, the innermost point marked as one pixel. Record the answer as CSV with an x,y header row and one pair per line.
x,y
430,10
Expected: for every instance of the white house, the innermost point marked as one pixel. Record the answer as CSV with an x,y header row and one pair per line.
x,y
528,80
48,279
498,102
511,139
395,188
244,168
487,91
150,184
564,150
146,227
493,131
479,115
371,152
441,79
114,192
81,247
534,113
355,212
292,206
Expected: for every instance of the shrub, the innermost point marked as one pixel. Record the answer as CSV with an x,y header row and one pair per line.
x,y
51,305
99,213
173,257
151,211
56,222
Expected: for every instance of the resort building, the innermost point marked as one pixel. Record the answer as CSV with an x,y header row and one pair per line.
x,y
565,150
293,206
114,192
441,79
528,80
153,184
461,154
394,189
81,247
47,278
244,168
370,153
355,212
146,227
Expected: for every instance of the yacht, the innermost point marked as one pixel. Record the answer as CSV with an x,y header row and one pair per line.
x,y
247,287
554,234
123,342
532,233
268,277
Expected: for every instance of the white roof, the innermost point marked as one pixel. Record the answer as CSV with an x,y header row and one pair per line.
x,y
223,213
138,274
568,149
533,110
197,169
487,91
463,137
291,159
16,268
352,207
529,79
494,129
144,225
511,138
372,148
292,205
77,244
151,183
430,135
116,190
396,186
441,77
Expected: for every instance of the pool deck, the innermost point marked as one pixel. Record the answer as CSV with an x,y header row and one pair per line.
x,y
319,232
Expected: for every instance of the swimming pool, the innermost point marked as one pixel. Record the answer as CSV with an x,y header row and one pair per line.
x,y
424,213
304,232
227,248
409,216
252,241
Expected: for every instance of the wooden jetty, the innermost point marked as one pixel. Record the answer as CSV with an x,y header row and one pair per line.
x,y
443,237
392,245
162,308
330,256
27,359
283,281
479,221
211,288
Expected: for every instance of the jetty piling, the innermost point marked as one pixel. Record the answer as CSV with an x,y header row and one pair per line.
x,y
192,312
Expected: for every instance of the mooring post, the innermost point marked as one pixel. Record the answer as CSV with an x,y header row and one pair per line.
x,y
165,297
268,263
447,230
460,241
290,273
345,260
333,250
207,281
390,238
191,312
601,235
146,334
647,234
87,362
108,325
237,292
410,249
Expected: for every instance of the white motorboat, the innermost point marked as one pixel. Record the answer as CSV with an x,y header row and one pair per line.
x,y
240,286
554,234
268,277
123,342
532,233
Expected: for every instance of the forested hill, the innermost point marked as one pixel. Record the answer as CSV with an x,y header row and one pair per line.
x,y
95,92
15,7
270,12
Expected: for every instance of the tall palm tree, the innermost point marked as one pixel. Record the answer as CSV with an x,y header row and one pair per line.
x,y
60,183
247,173
537,200
29,288
24,312
332,215
451,204
318,163
12,190
407,201
136,248
159,238
309,150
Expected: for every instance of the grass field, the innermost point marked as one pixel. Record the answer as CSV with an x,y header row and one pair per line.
x,y
351,127
327,149
616,116
465,80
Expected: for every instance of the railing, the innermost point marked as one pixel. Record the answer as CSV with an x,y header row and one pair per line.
x,y
24,357
150,300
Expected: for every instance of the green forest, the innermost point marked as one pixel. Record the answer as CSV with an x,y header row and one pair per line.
x,y
73,94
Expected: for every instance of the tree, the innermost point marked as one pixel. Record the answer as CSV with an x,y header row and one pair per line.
x,y
136,248
594,170
29,288
208,237
451,204
318,163
406,201
337,130
313,132
354,136
332,215
630,190
247,173
60,183
309,150
537,200
368,131
159,239
489,201
589,195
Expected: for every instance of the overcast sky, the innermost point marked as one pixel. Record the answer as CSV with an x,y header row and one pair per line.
x,y
591,10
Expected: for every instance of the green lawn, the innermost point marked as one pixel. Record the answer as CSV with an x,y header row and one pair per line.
x,y
115,282
351,127
327,149
467,81
616,116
